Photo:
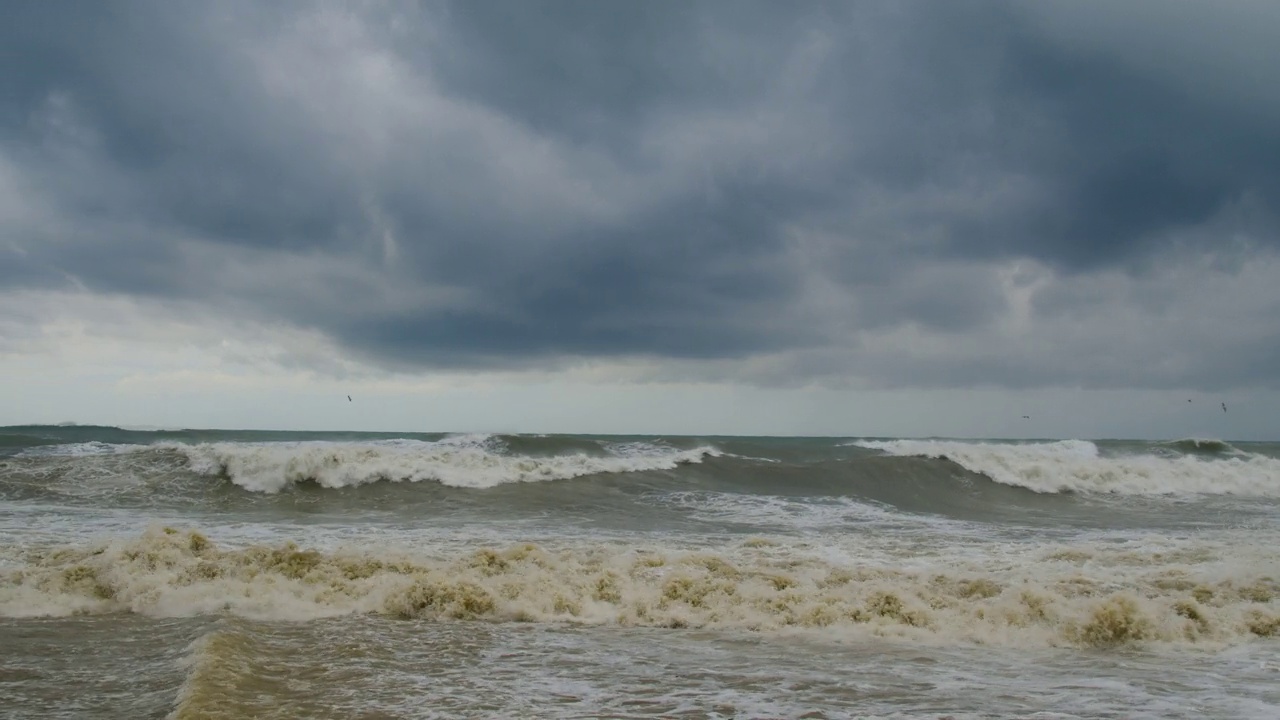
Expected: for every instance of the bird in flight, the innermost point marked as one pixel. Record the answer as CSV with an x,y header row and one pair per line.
x,y
348,398
1026,417
1224,407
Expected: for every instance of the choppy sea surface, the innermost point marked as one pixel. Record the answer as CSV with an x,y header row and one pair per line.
x,y
243,574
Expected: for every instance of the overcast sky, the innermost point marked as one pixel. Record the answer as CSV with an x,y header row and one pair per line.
x,y
849,218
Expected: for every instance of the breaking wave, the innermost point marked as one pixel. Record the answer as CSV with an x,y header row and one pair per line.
x,y
84,449
1077,466
1084,594
1202,446
470,461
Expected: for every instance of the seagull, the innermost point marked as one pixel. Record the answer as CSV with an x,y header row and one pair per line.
x,y
1224,407
1026,417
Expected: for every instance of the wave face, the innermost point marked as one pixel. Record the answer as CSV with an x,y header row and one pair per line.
x,y
478,461
676,484
268,462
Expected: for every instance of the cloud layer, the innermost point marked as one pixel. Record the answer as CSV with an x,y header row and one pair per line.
x,y
905,194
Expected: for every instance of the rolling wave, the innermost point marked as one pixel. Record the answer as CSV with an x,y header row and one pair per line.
x,y
469,461
1077,466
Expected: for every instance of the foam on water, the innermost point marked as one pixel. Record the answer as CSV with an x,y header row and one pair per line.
x,y
1088,594
813,513
474,461
818,583
368,667
90,471
76,449
1077,466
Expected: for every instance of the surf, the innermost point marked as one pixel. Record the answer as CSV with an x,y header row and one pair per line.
x,y
463,462
1084,594
1078,466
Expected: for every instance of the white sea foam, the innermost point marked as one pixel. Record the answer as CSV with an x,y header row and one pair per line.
x,y
811,513
1077,466
1092,594
76,449
473,461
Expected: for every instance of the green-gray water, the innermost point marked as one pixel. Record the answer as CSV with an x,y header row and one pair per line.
x,y
204,574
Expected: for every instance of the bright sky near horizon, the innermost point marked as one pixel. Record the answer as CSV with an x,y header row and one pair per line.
x,y
804,218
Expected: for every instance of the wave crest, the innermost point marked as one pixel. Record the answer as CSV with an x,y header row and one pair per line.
x,y
470,461
1202,446
1077,466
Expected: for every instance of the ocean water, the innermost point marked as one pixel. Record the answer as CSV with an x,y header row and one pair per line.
x,y
227,574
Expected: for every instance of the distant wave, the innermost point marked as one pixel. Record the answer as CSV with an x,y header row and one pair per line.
x,y
1077,466
471,461
92,447
1087,594
70,434
57,426
1201,446
15,440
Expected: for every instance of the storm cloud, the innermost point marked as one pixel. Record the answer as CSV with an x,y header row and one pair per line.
x,y
901,194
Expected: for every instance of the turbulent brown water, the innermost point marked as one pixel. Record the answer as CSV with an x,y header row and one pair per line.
x,y
209,574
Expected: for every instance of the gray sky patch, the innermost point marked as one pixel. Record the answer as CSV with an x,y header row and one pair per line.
x,y
504,185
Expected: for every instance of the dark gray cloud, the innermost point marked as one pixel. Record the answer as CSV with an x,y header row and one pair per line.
x,y
504,184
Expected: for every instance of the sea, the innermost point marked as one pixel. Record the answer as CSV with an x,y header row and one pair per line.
x,y
244,574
